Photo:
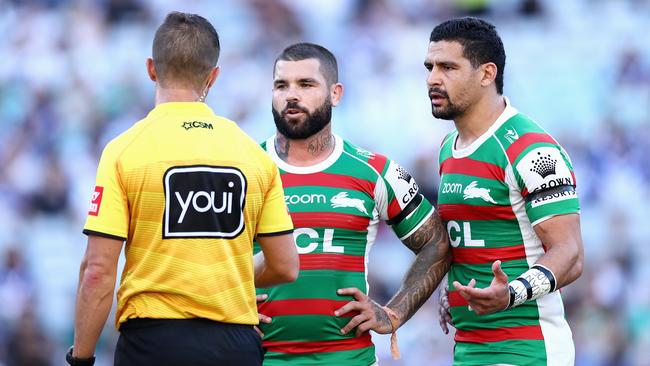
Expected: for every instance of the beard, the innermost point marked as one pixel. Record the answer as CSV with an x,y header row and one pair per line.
x,y
314,122
449,112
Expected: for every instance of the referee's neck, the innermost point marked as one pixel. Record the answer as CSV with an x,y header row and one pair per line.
x,y
166,95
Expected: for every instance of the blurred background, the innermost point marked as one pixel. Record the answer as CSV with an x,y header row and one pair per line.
x,y
72,77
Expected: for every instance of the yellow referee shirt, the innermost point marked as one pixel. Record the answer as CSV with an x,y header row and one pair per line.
x,y
188,191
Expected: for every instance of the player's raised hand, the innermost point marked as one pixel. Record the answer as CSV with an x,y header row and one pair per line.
x,y
444,316
371,315
490,299
263,318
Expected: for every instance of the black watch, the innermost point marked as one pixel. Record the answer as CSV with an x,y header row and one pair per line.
x,y
75,361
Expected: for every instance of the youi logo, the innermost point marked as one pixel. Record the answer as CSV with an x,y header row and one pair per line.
x,y
204,201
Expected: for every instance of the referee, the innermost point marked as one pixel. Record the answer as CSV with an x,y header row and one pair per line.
x,y
188,192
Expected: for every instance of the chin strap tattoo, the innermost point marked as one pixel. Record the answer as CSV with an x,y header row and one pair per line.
x,y
532,284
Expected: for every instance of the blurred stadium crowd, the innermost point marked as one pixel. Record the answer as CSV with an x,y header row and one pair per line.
x,y
72,77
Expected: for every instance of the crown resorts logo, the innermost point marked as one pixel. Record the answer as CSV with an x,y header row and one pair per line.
x,y
403,174
544,165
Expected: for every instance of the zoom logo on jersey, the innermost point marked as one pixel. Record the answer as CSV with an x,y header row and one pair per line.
x,y
204,201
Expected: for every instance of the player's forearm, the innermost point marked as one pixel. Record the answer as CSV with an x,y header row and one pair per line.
x,y
565,254
429,268
94,300
565,261
267,275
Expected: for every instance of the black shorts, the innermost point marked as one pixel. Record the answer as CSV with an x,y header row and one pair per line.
x,y
183,342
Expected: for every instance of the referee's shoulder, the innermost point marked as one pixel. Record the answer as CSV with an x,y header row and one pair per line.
x,y
247,143
116,146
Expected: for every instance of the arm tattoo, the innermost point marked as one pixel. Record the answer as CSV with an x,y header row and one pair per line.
x,y
321,142
380,314
430,266
282,147
421,236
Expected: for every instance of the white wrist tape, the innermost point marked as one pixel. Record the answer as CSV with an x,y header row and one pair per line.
x,y
532,284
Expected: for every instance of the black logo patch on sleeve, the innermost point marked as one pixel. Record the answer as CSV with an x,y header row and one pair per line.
x,y
203,202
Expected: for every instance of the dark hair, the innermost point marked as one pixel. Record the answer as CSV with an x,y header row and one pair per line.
x,y
480,40
185,49
303,51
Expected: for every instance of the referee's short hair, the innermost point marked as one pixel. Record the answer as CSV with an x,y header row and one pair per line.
x,y
302,51
185,49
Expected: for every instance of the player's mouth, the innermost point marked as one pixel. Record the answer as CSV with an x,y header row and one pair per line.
x,y
293,112
437,98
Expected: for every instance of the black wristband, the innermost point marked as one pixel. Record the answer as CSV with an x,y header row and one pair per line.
x,y
549,275
75,361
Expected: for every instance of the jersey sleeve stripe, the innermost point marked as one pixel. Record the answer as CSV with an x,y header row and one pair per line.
x,y
332,261
319,347
378,162
471,167
277,233
329,220
524,141
396,219
303,307
393,208
471,212
488,255
328,180
526,332
103,235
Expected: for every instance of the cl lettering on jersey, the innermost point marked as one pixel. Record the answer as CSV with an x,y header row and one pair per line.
x,y
203,201
465,233
328,245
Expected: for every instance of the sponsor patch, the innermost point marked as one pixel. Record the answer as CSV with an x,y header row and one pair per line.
x,y
553,195
402,183
204,201
196,124
96,201
543,168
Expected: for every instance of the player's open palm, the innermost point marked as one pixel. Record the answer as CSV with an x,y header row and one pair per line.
x,y
371,315
490,299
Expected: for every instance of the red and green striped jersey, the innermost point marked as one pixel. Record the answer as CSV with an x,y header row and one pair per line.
x,y
492,193
336,206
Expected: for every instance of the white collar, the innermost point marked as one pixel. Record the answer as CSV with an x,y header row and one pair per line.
x,y
507,113
319,167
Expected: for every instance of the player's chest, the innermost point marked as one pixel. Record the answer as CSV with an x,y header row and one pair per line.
x,y
471,186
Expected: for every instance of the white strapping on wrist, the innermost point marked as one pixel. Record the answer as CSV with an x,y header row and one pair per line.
x,y
538,281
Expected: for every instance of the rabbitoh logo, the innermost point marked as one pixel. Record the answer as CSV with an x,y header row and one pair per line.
x,y
511,135
472,191
342,200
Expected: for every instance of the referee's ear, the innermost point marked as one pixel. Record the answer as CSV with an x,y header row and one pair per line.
x,y
151,70
214,73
